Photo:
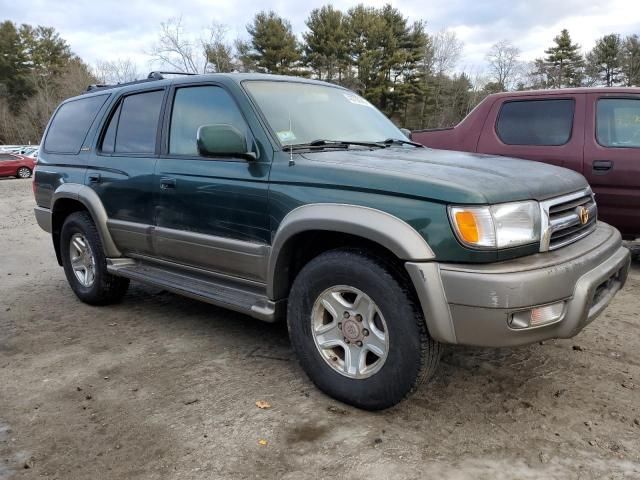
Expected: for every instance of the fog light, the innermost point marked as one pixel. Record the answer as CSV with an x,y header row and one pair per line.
x,y
537,316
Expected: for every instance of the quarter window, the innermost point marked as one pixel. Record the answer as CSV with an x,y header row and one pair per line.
x,y
71,123
536,122
194,107
618,122
134,124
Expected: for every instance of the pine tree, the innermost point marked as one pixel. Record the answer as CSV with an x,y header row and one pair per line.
x,y
564,63
15,84
325,49
606,58
274,47
631,61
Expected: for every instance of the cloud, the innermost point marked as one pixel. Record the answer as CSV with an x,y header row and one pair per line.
x,y
113,29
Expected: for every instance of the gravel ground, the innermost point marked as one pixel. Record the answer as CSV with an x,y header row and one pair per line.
x,y
162,387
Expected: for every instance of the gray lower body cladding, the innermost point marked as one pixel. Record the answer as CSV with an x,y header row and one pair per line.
x,y
472,305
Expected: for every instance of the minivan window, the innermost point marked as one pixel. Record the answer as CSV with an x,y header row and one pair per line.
x,y
536,122
133,127
618,122
194,107
71,123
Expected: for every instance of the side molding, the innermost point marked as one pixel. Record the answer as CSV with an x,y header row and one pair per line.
x,y
381,227
91,201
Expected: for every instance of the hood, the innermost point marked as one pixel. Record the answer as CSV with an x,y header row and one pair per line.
x,y
444,175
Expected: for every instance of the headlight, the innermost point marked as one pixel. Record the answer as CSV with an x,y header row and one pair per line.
x,y
497,226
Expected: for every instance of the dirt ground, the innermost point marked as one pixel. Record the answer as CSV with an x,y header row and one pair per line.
x,y
163,387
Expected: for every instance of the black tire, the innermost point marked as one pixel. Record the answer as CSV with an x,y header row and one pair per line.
x,y
106,288
412,355
23,172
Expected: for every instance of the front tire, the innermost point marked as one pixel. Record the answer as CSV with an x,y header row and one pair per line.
x,y
358,330
85,265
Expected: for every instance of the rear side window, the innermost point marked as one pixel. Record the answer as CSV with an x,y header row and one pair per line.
x,y
133,126
194,107
618,122
536,122
7,156
71,124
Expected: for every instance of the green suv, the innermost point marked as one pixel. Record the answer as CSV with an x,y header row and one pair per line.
x,y
282,197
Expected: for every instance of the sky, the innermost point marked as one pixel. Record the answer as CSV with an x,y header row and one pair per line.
x,y
115,29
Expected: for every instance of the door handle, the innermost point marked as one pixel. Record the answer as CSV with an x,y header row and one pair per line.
x,y
167,183
601,167
94,178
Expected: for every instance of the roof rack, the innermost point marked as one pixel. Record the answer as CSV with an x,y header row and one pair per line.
x,y
152,77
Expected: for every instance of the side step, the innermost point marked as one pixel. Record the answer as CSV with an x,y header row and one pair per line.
x,y
217,291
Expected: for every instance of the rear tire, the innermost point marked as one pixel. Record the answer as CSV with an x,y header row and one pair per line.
x,y
23,172
85,265
406,354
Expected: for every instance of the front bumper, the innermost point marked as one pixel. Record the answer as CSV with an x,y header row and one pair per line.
x,y
472,304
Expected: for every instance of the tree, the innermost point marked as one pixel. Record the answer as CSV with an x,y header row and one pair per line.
x,y
630,58
15,86
325,48
116,71
179,50
563,64
605,59
218,52
274,47
504,65
445,51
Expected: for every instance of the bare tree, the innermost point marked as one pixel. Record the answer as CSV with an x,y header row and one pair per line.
x,y
446,49
117,71
189,54
504,64
218,52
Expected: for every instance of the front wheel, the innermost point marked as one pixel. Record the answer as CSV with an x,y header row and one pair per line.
x,y
85,264
23,172
358,330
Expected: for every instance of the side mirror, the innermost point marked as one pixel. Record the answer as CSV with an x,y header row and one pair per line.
x,y
223,140
406,132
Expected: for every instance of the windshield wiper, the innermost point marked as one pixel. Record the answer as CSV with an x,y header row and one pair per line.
x,y
399,141
319,144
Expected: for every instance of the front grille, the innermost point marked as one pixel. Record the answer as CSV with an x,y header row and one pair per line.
x,y
563,219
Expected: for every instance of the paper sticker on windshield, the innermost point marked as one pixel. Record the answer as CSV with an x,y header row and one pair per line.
x,y
286,136
358,100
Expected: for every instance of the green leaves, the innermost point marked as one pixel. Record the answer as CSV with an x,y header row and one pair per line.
x,y
273,46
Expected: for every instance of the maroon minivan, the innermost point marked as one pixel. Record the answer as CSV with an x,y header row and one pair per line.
x,y
595,131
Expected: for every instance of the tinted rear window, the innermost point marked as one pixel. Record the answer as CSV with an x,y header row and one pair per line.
x,y
137,123
536,122
71,124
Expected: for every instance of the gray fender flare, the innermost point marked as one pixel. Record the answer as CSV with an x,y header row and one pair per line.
x,y
87,197
381,227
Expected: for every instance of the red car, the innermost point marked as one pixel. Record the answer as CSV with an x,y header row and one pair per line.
x,y
19,166
594,131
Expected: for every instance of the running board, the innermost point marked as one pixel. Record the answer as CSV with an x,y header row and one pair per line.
x,y
216,291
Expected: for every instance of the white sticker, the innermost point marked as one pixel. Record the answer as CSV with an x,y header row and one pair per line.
x,y
358,100
286,135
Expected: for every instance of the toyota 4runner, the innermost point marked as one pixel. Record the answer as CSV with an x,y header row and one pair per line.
x,y
289,198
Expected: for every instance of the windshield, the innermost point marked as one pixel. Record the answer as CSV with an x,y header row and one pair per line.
x,y
300,113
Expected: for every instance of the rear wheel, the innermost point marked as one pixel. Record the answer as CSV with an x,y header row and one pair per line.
x,y
85,265
358,330
23,172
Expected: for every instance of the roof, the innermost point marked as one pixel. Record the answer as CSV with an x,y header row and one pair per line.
x,y
570,91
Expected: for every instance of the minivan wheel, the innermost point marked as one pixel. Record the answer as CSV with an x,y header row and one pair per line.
x,y
358,330
23,172
85,265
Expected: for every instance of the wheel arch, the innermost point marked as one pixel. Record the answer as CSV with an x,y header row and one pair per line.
x,y
331,223
70,198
